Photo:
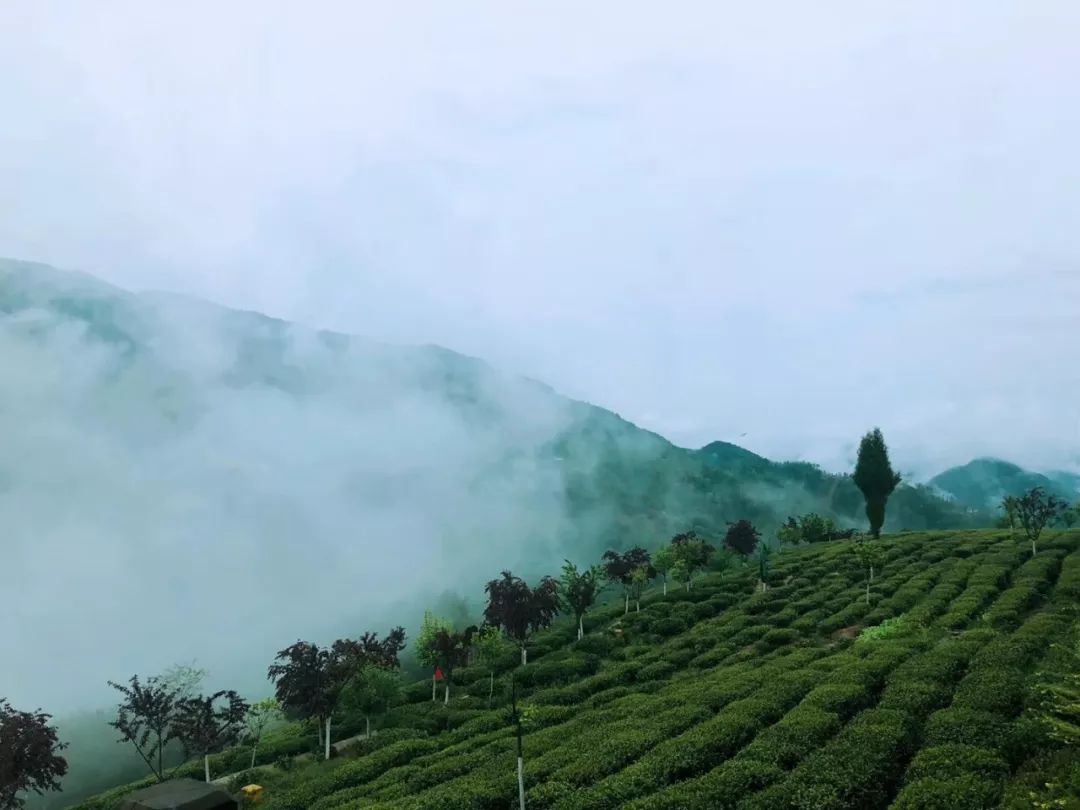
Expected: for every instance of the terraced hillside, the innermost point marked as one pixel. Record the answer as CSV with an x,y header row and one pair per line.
x,y
802,696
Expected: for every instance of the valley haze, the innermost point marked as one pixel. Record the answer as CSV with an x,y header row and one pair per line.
x,y
181,481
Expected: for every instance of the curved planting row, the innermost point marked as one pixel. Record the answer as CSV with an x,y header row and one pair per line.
x,y
729,698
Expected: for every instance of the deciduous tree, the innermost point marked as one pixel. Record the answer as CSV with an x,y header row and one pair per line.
x,y
875,478
663,561
789,533
619,569
1010,509
489,647
742,537
578,591
309,680
371,692
425,650
145,719
29,755
692,554
259,717
518,610
640,578
870,556
1035,510
208,724
452,650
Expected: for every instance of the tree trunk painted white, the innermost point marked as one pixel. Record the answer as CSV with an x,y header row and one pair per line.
x,y
524,656
580,627
367,732
433,685
638,603
327,741
206,766
446,694
1032,548
626,610
868,592
688,585
871,573
665,586
254,748
521,783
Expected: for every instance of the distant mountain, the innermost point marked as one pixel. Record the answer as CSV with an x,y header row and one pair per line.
x,y
982,483
731,456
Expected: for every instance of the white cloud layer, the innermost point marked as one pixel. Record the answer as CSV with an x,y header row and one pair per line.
x,y
782,219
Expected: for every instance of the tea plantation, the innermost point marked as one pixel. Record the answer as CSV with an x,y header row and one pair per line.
x,y
802,696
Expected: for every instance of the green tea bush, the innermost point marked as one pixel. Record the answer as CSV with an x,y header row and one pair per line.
x,y
957,760
778,638
601,644
958,793
656,671
967,727
1068,583
842,699
722,788
671,626
352,772
918,698
800,732
992,689
890,628
682,757
857,769
605,753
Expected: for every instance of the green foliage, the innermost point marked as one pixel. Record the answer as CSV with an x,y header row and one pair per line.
x,y
994,689
578,589
691,554
424,647
955,760
372,691
967,727
1058,698
664,560
918,698
874,477
719,697
958,793
890,628
1035,510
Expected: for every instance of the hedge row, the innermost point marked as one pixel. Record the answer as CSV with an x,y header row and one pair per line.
x,y
1030,585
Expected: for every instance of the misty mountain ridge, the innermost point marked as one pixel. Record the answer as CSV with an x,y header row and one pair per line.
x,y
158,447
983,482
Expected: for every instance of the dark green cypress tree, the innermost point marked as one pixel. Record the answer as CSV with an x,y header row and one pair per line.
x,y
875,477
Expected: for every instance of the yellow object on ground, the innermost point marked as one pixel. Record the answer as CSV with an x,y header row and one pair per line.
x,y
253,792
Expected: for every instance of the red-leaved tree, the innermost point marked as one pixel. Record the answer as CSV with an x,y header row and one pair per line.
x,y
29,755
518,610
309,679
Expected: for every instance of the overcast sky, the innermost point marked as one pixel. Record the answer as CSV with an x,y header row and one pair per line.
x,y
789,220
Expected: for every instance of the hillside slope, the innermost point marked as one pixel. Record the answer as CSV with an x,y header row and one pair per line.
x,y
725,697
982,483
150,371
